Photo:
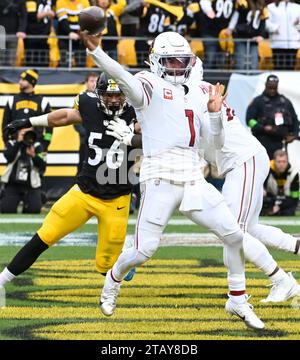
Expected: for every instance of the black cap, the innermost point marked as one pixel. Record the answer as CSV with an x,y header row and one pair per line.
x,y
273,78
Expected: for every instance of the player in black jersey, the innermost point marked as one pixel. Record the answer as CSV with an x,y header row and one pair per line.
x,y
103,187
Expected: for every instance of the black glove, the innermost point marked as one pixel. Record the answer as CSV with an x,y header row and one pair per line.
x,y
15,126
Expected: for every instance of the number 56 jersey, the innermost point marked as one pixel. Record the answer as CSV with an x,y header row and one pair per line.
x,y
106,168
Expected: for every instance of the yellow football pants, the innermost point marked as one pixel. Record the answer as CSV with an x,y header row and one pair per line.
x,y
75,208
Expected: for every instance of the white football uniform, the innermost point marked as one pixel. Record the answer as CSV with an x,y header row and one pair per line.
x,y
246,165
171,130
170,118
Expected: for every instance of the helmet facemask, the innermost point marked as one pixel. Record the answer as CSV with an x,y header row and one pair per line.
x,y
112,99
176,69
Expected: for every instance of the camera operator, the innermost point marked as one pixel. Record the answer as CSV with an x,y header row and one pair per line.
x,y
22,176
26,104
281,187
272,118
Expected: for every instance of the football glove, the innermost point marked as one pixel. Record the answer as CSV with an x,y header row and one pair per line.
x,y
15,126
120,130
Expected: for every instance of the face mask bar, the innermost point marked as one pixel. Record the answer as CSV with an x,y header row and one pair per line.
x,y
177,68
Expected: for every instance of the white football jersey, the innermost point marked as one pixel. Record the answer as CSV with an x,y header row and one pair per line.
x,y
239,146
170,122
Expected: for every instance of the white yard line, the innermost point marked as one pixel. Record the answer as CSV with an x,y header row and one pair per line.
x,y
88,239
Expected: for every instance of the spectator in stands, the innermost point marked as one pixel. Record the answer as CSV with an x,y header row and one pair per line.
x,y
26,104
39,14
129,20
67,13
22,176
283,26
217,14
248,22
14,19
90,83
109,46
272,118
152,23
281,187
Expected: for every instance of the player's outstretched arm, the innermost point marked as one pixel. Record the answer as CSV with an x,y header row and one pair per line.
x,y
214,106
130,85
61,117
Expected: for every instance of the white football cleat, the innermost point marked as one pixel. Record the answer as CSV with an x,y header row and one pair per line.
x,y
245,312
109,295
283,290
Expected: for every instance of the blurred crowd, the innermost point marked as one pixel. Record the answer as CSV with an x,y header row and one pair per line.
x,y
234,34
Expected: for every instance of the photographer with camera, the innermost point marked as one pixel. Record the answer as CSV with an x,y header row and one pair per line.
x,y
26,104
281,187
22,176
272,118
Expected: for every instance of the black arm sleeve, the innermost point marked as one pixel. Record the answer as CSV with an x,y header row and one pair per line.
x,y
38,160
253,114
294,118
64,28
7,118
11,151
22,16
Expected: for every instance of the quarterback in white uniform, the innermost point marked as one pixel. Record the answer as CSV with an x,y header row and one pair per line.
x,y
170,117
245,164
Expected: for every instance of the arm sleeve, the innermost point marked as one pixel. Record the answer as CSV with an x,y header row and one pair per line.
x,y
62,17
206,6
11,150
217,137
48,131
295,119
39,160
130,85
252,118
135,7
292,200
7,118
22,16
234,20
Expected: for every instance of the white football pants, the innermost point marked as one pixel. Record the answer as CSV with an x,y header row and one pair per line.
x,y
200,202
243,193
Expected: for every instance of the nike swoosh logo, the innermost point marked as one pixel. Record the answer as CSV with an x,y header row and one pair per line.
x,y
241,317
119,208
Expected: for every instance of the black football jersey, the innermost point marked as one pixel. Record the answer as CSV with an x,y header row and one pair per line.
x,y
153,20
224,10
105,170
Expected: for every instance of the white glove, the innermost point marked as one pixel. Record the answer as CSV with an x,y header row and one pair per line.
x,y
120,130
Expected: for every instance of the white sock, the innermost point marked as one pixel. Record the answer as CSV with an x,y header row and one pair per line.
x,y
239,299
279,276
6,276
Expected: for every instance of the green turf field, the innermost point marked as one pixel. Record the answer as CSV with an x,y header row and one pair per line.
x,y
180,294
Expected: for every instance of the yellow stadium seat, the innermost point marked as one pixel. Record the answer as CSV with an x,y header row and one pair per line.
x,y
126,52
197,47
265,55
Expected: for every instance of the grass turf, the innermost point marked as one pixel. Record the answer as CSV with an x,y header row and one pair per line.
x,y
180,294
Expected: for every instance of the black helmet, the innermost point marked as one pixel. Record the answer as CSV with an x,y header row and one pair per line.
x,y
105,88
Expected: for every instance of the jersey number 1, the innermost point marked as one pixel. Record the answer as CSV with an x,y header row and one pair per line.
x,y
190,115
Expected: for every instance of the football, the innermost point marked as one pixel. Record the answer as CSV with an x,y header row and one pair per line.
x,y
92,19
